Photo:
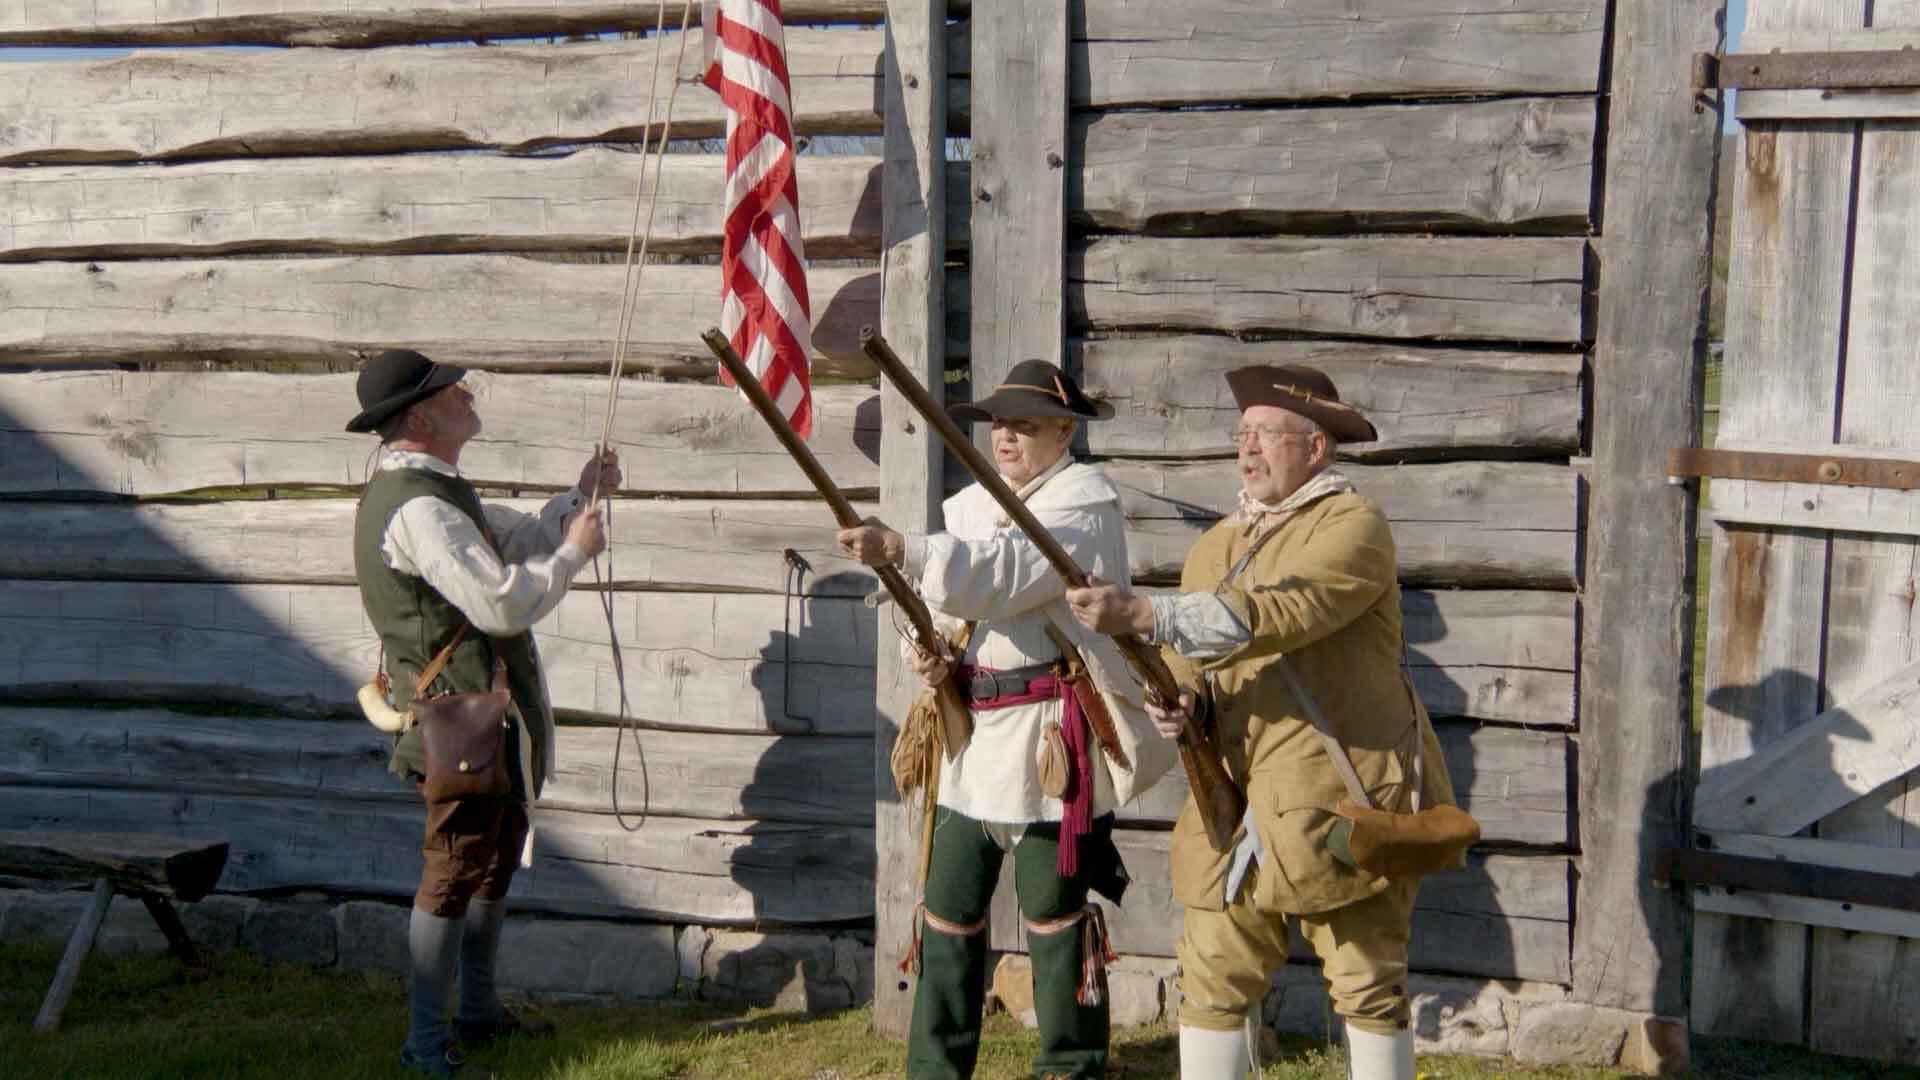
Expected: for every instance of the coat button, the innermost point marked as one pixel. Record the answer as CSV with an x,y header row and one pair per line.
x,y
463,766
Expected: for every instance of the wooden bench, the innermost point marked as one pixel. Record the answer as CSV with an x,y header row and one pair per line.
x,y
156,869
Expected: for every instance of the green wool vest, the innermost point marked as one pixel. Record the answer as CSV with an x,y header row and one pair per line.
x,y
415,622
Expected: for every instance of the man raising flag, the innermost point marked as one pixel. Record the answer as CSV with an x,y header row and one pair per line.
x,y
764,309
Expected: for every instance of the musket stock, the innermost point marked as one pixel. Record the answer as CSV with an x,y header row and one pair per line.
x,y
955,723
1221,802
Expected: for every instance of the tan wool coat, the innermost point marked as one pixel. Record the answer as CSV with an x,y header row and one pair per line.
x,y
1324,592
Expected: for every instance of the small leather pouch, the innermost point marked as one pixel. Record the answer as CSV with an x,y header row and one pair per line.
x,y
1054,766
464,736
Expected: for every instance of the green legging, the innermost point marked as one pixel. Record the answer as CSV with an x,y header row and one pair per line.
x,y
944,1040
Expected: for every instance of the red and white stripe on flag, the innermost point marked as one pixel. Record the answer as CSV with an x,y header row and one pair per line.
x,y
764,309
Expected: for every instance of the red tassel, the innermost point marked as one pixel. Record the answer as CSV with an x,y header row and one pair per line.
x,y
910,963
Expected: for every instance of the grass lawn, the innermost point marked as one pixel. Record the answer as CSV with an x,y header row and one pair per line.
x,y
142,1017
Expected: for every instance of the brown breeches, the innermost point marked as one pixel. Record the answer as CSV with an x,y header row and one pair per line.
x,y
472,847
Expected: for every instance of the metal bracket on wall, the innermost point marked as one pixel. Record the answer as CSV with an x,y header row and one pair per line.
x,y
1692,462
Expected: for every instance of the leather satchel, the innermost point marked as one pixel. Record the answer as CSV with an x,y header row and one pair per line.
x,y
464,734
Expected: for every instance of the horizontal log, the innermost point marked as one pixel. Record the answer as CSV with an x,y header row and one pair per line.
x,y
416,203
135,864
1513,781
672,869
722,545
1461,523
487,311
1172,396
152,433
1126,52
177,105
737,777
1483,524
692,660
1504,916
1498,165
357,22
1508,289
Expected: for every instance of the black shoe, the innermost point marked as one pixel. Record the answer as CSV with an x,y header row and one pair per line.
x,y
447,1063
507,1025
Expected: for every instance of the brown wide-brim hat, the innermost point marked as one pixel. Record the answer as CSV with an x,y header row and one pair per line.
x,y
1034,388
1304,390
394,380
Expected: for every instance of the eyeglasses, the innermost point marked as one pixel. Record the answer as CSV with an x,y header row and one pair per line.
x,y
1268,435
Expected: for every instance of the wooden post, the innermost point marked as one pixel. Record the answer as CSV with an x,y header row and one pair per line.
x,y
77,948
1019,180
913,318
1655,266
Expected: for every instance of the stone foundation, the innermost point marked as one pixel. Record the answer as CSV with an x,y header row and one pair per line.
x,y
551,958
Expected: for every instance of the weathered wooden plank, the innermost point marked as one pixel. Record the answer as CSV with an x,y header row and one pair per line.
x,y
723,545
1656,247
173,105
360,22
1172,397
1455,288
1886,929
151,433
1784,325
917,235
134,864
676,869
1504,915
1463,523
1847,753
1130,52
819,779
1490,654
425,202
1833,507
1502,165
1515,782
494,311
693,660
1863,986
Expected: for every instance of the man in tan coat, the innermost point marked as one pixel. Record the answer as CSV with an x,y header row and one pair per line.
x,y
1294,594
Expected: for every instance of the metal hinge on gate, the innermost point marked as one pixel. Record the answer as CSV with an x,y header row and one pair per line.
x,y
1891,474
1882,69
1747,873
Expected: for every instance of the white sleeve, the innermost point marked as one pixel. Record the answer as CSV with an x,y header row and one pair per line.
x,y
432,539
1198,625
1006,574
521,536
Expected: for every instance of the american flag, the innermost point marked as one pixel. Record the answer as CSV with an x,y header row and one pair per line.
x,y
764,309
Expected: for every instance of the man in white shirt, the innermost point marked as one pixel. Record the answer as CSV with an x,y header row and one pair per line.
x,y
434,567
994,793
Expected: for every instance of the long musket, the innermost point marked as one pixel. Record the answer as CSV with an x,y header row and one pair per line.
x,y
1220,800
955,723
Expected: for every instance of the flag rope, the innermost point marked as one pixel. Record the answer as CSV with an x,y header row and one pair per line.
x,y
628,727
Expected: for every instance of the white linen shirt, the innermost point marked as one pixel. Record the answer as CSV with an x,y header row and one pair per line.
x,y
502,595
985,570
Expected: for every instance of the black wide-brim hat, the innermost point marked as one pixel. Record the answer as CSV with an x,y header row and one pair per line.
x,y
394,380
1034,388
1304,390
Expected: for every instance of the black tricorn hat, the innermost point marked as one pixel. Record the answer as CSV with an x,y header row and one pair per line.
x,y
1304,390
394,380
1033,388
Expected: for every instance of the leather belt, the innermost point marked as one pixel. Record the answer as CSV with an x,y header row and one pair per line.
x,y
985,685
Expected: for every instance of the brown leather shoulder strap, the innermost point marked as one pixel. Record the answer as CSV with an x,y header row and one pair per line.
x,y
439,663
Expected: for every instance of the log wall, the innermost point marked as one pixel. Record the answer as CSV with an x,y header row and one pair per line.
x,y
198,247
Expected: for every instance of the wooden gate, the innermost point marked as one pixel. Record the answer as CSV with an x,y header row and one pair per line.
x,y
1810,729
